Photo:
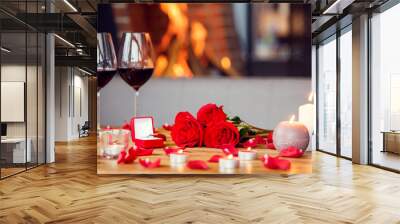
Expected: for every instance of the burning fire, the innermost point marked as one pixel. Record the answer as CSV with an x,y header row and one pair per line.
x,y
311,96
292,118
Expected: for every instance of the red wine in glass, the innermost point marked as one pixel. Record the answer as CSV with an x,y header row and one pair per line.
x,y
104,77
135,77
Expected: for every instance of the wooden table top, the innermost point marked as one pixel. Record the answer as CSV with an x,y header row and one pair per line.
x,y
109,166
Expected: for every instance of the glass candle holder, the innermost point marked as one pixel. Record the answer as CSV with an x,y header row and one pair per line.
x,y
112,141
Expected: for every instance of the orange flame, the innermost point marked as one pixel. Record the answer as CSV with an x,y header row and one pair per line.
x,y
292,118
311,96
198,37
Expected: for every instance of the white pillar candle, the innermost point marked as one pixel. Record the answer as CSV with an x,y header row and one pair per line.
x,y
177,159
228,162
113,150
291,133
247,154
306,116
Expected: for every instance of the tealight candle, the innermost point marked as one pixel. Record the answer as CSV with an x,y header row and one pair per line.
x,y
177,159
248,154
112,150
228,162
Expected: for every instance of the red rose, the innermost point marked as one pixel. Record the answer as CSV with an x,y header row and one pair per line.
x,y
210,113
221,133
187,131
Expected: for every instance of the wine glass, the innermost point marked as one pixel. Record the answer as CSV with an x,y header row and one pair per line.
x,y
106,60
106,65
135,61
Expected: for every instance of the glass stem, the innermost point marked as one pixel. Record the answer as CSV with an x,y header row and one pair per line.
x,y
136,102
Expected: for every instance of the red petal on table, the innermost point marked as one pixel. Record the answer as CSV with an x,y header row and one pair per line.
x,y
271,146
126,126
167,127
263,158
121,157
197,165
131,156
150,164
214,159
144,152
230,150
292,152
250,143
260,140
276,163
159,135
168,150
269,137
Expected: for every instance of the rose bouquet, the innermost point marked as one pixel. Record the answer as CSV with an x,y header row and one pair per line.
x,y
213,128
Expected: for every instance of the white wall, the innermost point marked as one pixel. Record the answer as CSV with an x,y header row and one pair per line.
x,y
70,83
260,101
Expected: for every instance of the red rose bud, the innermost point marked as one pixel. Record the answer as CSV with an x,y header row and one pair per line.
x,y
230,150
131,156
126,126
197,165
146,163
271,146
269,137
187,131
214,159
276,164
121,157
210,113
291,152
167,127
250,143
220,134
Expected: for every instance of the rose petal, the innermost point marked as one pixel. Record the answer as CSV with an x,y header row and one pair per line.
x,y
126,126
271,146
197,165
130,156
214,159
121,157
269,137
276,163
150,164
260,140
230,150
168,150
250,143
144,152
167,127
292,152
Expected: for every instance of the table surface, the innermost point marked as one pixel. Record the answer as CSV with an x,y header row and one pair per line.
x,y
109,166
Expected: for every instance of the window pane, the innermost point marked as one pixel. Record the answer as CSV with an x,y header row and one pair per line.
x,y
346,94
386,89
327,96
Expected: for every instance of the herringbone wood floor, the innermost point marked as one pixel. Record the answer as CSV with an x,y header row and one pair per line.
x,y
69,191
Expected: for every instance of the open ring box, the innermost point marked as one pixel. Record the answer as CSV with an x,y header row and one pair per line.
x,y
143,131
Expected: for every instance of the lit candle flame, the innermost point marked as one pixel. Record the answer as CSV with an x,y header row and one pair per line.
x,y
180,151
292,118
248,148
147,160
230,156
311,96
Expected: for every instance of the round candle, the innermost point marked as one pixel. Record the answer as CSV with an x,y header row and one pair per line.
x,y
291,133
248,154
178,158
113,150
228,162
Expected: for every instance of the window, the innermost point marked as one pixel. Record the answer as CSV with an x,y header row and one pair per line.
x,y
327,96
346,93
385,89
